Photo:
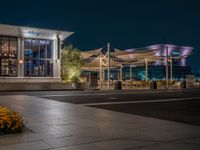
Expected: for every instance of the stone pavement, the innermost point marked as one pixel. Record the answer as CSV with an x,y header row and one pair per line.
x,y
54,125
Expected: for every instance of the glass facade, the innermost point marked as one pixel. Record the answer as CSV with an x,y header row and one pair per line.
x,y
38,58
154,73
157,72
8,56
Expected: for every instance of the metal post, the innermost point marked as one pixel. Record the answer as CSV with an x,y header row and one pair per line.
x,y
130,72
100,71
21,57
89,78
171,73
121,73
103,74
146,62
167,78
108,49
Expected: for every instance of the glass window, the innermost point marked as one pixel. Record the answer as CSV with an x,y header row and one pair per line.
x,y
5,46
49,49
27,44
38,58
35,49
13,47
8,56
43,50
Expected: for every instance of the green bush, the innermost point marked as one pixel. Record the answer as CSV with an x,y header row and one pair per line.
x,y
71,63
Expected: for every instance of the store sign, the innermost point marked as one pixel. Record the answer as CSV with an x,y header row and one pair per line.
x,y
176,53
38,34
35,33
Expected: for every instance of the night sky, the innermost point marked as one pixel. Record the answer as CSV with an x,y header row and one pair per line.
x,y
125,24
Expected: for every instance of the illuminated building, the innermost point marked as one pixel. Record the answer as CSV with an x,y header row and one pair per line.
x,y
157,69
141,63
28,53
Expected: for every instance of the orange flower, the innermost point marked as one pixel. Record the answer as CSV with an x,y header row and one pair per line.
x,y
10,122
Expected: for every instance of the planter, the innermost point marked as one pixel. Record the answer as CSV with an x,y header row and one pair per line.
x,y
75,85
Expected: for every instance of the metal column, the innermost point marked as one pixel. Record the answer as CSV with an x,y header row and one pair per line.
x,y
121,73
146,64
130,72
171,73
100,71
167,71
108,49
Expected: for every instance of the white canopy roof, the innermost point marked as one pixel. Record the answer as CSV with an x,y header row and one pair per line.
x,y
30,32
88,54
121,58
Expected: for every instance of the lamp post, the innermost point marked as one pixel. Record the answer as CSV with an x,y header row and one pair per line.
x,y
108,50
167,78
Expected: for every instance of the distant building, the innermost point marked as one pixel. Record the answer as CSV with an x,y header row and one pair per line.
x,y
133,63
157,69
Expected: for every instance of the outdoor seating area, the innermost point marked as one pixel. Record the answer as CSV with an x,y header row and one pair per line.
x,y
126,84
133,68
142,84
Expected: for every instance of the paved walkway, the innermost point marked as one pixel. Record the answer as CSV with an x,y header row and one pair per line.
x,y
55,125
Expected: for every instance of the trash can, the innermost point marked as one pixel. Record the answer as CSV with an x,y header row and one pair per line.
x,y
118,85
153,85
183,84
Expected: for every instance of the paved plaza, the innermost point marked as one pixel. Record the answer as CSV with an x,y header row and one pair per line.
x,y
60,124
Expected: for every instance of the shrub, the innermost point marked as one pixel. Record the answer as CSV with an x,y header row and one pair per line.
x,y
10,121
74,79
71,63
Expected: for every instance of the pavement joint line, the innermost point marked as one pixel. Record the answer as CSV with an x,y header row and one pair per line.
x,y
120,93
22,142
50,146
92,142
142,146
188,138
112,98
189,143
140,101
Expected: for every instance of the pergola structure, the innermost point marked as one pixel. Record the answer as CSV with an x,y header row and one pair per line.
x,y
101,60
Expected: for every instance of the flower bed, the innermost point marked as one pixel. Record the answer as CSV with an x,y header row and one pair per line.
x,y
10,121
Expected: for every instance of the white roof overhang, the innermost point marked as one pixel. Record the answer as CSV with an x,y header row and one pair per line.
x,y
30,32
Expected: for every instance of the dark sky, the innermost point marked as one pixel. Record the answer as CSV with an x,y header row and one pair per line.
x,y
125,24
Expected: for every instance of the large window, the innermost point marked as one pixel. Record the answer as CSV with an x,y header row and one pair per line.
x,y
38,58
8,56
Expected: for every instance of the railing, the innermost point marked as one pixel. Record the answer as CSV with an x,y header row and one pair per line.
x,y
127,83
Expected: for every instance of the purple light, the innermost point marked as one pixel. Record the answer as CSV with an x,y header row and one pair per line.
x,y
161,51
186,51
